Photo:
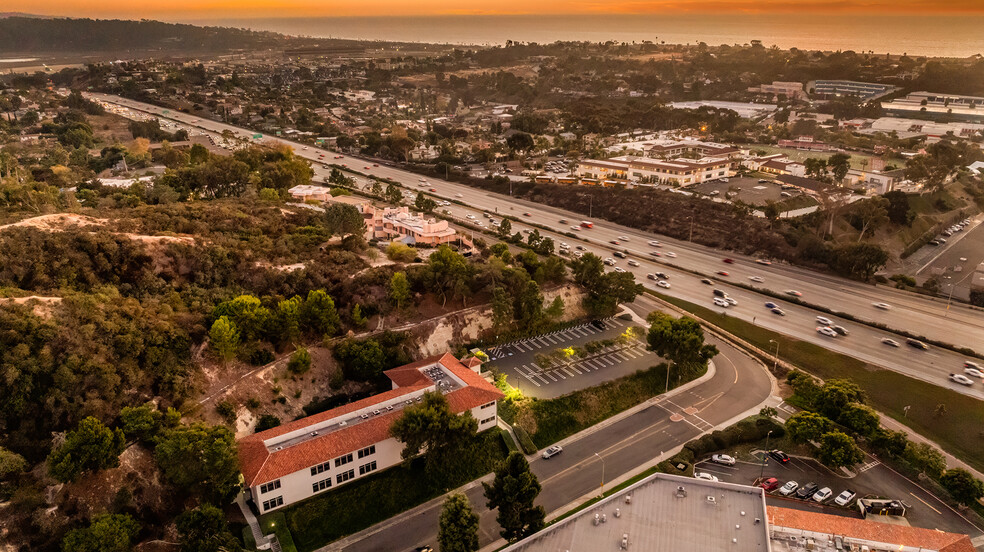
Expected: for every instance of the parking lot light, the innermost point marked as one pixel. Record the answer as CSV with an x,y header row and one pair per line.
x,y
765,455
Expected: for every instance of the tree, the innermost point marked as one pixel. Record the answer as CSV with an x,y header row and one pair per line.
x,y
458,525
393,194
399,291
342,219
859,418
925,458
289,319
502,308
89,447
817,168
424,203
319,314
529,306
11,463
807,426
892,443
859,260
839,164
300,361
869,214
204,529
604,290
247,313
963,486
555,310
512,493
361,360
401,252
357,318
432,426
504,230
679,340
106,533
141,422
520,141
448,274
838,449
898,210
772,211
200,459
836,394
224,338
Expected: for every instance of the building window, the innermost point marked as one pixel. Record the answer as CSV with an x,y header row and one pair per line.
x,y
320,468
321,485
366,468
273,503
489,405
343,460
345,476
271,486
367,451
487,420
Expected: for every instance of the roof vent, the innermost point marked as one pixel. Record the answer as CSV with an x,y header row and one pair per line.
x,y
624,545
618,513
314,433
711,499
342,423
680,493
279,448
628,499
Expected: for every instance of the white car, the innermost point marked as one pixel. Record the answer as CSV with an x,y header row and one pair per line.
x,y
827,331
789,488
758,279
552,451
623,238
890,342
654,243
663,284
721,302
825,321
671,254
882,306
961,379
974,373
619,269
472,217
823,494
723,459
633,262
845,497
458,195
730,300
974,365
705,476
610,261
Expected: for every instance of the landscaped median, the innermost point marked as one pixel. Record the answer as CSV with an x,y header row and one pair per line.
x,y
958,430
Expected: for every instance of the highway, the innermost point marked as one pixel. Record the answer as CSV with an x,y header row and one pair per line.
x,y
958,325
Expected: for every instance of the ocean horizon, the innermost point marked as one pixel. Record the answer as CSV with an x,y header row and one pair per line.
x,y
936,36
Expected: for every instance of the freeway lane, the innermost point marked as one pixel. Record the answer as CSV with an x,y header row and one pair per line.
x,y
739,384
960,325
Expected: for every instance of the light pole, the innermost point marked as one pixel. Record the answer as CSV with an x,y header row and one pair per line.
x,y
765,455
667,390
775,357
602,473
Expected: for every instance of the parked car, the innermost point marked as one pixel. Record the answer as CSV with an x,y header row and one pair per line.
x,y
552,451
806,491
723,459
961,379
770,484
845,498
823,494
780,456
789,488
705,476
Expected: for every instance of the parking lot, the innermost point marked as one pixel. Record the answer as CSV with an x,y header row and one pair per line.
x,y
874,479
517,359
749,190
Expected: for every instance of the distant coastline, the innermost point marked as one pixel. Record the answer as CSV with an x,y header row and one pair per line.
x,y
934,36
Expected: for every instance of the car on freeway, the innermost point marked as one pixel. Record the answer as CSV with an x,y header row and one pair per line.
x,y
375,164
552,451
576,228
663,275
367,166
721,302
609,261
758,279
770,484
527,214
706,281
823,494
771,305
651,276
614,242
780,456
974,373
763,261
619,269
778,311
562,221
789,488
723,273
705,476
845,498
890,342
827,331
633,262
458,195
882,306
808,490
619,254
655,243
423,549
729,261
974,365
723,459
825,321
917,344
731,301
793,292
663,284
655,253
433,189
623,238
840,329
671,254
961,379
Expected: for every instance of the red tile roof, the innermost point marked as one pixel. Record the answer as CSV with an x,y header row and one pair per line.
x,y
869,530
260,465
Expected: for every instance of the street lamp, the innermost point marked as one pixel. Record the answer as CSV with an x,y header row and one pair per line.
x,y
765,455
602,473
775,357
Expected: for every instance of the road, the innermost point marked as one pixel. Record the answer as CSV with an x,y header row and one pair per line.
x,y
959,325
738,385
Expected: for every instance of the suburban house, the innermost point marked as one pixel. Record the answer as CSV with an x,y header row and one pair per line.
x,y
300,459
399,223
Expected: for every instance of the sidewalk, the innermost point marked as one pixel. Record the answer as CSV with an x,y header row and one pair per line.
x,y
951,461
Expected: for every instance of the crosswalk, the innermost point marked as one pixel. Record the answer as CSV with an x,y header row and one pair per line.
x,y
868,466
552,340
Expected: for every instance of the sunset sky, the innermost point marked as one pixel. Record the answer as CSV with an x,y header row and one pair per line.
x,y
185,9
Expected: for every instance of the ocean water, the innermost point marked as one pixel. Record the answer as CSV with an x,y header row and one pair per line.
x,y
944,36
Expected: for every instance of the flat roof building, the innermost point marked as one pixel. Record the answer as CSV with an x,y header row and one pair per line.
x,y
682,172
934,105
792,90
399,223
839,88
300,459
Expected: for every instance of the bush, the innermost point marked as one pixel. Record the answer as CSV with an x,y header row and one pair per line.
x,y
227,410
261,357
300,361
266,421
525,442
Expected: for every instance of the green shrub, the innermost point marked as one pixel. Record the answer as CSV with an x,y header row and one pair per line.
x,y
525,442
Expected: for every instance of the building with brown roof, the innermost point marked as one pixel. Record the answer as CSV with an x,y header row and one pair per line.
x,y
300,459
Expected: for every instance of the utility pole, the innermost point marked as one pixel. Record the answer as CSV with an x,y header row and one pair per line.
x,y
602,473
775,357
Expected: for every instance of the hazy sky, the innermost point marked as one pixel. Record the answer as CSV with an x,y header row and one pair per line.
x,y
185,9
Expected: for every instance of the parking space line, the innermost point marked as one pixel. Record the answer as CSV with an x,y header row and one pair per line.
x,y
574,368
617,322
566,371
608,361
550,375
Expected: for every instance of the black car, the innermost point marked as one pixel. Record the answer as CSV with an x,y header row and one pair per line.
x,y
662,275
917,344
806,491
779,455
598,324
706,281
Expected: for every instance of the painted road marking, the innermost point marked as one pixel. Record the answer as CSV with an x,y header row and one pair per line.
x,y
926,503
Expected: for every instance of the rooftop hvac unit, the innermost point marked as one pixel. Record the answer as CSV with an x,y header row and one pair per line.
x,y
681,492
628,499
618,513
711,499
624,545
343,423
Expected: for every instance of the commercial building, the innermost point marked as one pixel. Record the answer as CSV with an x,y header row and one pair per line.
x,y
399,223
744,110
675,149
791,90
681,514
683,172
309,456
838,88
911,128
937,106
874,182
782,166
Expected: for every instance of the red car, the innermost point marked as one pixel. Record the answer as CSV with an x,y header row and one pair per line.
x,y
527,214
729,261
770,484
723,273
367,166
433,189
